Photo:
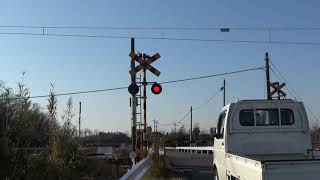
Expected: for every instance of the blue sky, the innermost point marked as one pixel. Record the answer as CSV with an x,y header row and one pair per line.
x,y
76,64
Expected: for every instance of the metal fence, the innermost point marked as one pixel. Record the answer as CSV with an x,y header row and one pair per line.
x,y
194,150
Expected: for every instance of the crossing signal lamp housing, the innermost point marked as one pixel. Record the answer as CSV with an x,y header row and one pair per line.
x,y
156,88
133,89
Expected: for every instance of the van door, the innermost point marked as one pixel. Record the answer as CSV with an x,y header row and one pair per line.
x,y
219,146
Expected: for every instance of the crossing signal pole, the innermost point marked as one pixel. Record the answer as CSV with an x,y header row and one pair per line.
x,y
133,103
144,83
144,65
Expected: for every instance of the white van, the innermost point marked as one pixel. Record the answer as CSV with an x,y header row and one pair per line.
x,y
264,140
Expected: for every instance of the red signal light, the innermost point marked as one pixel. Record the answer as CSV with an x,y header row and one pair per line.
x,y
156,88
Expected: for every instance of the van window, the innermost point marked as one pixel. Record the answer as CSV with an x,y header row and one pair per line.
x,y
287,117
267,117
220,125
246,117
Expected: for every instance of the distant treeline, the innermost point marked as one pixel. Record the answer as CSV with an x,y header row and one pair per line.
x,y
181,137
95,138
315,136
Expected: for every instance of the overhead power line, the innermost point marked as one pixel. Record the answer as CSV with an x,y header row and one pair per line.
x,y
281,76
195,109
291,91
233,28
162,38
181,121
178,122
274,28
209,100
125,87
72,93
210,76
184,117
81,92
112,28
170,124
283,80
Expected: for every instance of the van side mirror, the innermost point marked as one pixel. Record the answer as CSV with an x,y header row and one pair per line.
x,y
213,132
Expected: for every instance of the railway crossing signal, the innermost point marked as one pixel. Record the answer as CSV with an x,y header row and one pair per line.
x,y
156,88
277,89
133,89
145,62
276,86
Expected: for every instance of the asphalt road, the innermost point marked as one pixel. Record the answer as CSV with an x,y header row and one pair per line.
x,y
191,166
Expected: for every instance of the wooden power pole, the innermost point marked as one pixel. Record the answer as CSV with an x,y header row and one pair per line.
x,y
268,76
190,125
80,122
224,92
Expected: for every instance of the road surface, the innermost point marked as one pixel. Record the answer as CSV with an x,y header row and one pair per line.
x,y
191,166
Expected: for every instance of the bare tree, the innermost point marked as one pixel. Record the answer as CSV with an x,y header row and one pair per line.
x,y
52,109
67,118
23,98
196,131
52,103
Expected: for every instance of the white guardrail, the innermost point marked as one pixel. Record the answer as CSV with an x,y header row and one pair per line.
x,y
138,170
195,150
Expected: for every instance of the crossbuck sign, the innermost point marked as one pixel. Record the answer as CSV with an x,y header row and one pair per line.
x,y
145,63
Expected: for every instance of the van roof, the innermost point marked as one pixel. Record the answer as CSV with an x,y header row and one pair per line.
x,y
262,101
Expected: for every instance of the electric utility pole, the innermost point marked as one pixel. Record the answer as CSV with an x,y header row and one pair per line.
x,y
80,122
190,125
274,86
224,92
269,97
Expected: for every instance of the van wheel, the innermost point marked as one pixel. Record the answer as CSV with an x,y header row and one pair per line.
x,y
215,174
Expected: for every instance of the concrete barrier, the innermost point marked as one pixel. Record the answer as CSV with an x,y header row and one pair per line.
x,y
139,170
